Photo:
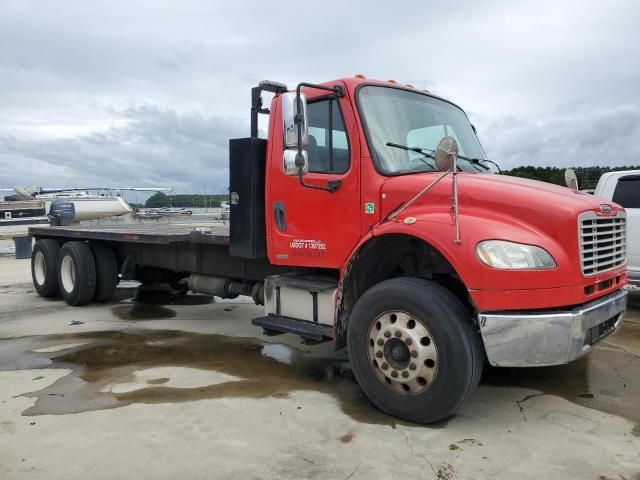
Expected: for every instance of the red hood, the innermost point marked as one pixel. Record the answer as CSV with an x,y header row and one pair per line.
x,y
526,199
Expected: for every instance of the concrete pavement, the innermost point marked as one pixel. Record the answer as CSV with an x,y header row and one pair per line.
x,y
132,390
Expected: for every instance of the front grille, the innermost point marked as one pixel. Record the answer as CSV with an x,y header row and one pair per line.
x,y
602,242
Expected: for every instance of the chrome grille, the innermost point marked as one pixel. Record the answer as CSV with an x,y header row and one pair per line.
x,y
603,242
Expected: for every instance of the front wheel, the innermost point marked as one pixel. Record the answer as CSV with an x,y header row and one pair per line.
x,y
414,349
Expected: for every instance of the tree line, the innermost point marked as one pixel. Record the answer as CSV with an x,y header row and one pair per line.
x,y
159,200
587,176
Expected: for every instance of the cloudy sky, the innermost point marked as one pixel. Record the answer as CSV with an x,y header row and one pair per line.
x,y
147,93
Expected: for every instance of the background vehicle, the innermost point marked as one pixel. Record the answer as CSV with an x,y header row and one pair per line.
x,y
370,217
623,188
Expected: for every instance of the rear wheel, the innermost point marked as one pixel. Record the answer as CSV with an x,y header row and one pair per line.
x,y
414,350
76,273
106,272
44,263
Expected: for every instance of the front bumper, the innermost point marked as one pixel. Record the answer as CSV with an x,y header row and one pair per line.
x,y
550,337
633,276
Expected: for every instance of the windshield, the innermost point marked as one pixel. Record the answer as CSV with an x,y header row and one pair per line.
x,y
392,115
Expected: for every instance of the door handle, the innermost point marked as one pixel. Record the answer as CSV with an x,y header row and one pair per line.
x,y
279,216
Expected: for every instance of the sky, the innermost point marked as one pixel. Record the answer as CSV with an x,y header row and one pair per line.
x,y
147,93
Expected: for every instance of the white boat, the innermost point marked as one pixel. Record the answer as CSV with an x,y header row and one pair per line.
x,y
89,206
89,203
16,217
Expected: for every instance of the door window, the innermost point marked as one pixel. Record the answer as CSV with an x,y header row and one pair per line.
x,y
328,145
627,192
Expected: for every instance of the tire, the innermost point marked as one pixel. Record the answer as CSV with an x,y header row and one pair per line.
x,y
425,373
44,267
76,273
106,272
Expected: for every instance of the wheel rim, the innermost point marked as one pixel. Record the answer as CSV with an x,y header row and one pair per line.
x,y
39,268
402,353
68,273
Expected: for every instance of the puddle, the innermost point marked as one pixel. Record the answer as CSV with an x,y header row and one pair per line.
x,y
148,304
608,379
111,358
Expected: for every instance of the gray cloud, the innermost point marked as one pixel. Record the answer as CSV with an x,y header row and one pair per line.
x,y
143,91
605,137
156,147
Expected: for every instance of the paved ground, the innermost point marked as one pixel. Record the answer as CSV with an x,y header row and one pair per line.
x,y
193,391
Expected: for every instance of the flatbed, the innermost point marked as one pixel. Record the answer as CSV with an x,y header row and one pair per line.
x,y
208,233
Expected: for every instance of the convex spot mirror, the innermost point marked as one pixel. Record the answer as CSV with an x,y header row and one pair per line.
x,y
571,179
446,154
289,162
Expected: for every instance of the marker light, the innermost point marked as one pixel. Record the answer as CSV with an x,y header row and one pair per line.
x,y
513,256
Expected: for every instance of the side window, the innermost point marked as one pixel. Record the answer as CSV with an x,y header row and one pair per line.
x,y
627,192
328,145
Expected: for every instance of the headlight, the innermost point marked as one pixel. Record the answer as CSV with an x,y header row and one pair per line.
x,y
513,256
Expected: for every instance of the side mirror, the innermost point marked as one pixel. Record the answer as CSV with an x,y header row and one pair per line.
x,y
289,125
289,162
571,179
446,154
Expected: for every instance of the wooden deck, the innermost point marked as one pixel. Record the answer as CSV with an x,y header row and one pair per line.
x,y
141,233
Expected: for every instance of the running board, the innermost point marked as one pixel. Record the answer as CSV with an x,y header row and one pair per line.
x,y
278,324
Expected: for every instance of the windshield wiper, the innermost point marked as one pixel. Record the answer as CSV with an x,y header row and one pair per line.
x,y
480,162
422,151
427,152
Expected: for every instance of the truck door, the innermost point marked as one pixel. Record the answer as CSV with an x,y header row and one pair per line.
x,y
627,194
309,227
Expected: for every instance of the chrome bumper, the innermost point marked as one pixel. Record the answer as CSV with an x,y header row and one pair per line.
x,y
633,277
534,339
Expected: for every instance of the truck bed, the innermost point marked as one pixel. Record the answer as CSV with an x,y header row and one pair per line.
x,y
155,233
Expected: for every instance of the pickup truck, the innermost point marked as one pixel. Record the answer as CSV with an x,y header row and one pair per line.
x,y
623,188
369,216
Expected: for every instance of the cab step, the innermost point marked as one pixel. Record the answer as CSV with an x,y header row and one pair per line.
x,y
279,324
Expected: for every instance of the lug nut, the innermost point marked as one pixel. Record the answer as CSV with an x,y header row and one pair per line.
x,y
380,342
398,334
405,374
385,366
394,374
412,366
379,354
387,334
408,341
414,353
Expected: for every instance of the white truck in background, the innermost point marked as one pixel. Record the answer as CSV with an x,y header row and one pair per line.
x,y
623,188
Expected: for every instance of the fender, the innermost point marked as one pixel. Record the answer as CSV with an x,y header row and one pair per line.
x,y
446,234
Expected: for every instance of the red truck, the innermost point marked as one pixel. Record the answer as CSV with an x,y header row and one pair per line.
x,y
370,217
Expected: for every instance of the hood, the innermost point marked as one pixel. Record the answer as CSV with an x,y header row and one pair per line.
x,y
498,193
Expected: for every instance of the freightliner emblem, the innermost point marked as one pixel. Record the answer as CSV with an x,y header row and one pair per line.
x,y
604,208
